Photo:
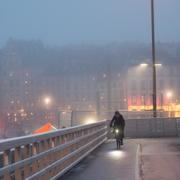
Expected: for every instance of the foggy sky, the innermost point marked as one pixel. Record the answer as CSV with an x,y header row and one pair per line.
x,y
62,22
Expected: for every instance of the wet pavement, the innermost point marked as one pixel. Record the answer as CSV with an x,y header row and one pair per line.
x,y
107,163
143,159
160,159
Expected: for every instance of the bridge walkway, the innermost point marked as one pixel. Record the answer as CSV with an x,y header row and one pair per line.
x,y
107,163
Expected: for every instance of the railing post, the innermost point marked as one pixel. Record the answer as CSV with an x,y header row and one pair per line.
x,y
34,152
5,163
17,158
26,155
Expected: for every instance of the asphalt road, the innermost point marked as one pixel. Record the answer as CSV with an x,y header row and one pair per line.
x,y
107,163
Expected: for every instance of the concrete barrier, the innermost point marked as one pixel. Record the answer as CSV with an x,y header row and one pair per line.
x,y
152,127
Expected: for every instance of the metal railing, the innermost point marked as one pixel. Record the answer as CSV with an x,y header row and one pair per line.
x,y
49,155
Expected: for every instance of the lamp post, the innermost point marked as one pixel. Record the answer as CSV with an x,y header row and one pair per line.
x,y
153,60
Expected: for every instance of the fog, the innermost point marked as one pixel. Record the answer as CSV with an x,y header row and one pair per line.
x,y
62,22
74,62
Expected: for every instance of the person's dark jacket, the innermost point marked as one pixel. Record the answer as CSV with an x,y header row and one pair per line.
x,y
118,122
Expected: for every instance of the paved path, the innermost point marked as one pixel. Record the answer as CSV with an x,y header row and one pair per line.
x,y
107,163
160,159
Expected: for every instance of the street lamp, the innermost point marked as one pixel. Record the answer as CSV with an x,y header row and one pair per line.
x,y
145,64
47,100
169,94
158,64
153,60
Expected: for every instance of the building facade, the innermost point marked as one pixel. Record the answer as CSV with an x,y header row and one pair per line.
x,y
95,82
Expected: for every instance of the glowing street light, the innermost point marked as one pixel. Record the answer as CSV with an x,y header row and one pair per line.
x,y
158,64
145,65
47,101
169,94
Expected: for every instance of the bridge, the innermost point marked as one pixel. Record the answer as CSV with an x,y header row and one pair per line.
x,y
85,152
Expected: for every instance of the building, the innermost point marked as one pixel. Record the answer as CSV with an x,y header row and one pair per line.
x,y
81,79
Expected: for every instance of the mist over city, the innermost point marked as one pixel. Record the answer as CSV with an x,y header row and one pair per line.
x,y
73,77
60,23
68,68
